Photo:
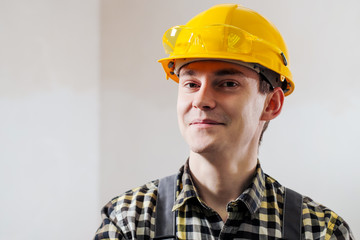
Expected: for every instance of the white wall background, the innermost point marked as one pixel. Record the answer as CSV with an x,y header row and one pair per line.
x,y
86,113
49,124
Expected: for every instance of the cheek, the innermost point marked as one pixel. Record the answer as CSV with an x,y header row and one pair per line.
x,y
253,114
181,109
249,113
259,105
183,104
182,116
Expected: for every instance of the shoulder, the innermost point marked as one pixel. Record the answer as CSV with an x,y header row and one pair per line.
x,y
133,211
320,221
144,195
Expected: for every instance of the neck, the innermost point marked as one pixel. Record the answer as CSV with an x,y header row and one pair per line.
x,y
221,178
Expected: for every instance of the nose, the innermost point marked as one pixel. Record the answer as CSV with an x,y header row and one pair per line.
x,y
204,98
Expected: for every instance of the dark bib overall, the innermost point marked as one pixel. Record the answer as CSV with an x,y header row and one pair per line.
x,y
165,222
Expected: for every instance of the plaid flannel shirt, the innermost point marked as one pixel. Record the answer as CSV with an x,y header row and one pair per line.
x,y
256,214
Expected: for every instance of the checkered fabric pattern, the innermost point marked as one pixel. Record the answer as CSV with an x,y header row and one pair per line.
x,y
256,214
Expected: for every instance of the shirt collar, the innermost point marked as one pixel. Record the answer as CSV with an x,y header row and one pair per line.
x,y
251,197
185,187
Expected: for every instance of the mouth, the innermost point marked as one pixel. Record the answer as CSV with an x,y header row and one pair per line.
x,y
205,122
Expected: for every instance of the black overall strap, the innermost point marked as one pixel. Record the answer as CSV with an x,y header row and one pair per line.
x,y
165,218
292,214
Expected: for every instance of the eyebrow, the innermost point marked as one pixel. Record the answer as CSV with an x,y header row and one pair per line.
x,y
219,73
228,71
187,72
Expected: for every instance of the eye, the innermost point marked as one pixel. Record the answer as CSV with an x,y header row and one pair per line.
x,y
191,85
229,84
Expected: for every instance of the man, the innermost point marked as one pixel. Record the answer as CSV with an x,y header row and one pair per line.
x,y
231,66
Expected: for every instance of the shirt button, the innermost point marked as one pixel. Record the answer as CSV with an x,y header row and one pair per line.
x,y
230,207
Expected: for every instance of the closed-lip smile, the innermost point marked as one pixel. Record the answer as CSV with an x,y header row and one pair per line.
x,y
205,122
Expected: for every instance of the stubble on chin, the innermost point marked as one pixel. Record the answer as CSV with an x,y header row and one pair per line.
x,y
201,145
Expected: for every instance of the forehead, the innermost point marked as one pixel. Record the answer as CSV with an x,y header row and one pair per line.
x,y
216,68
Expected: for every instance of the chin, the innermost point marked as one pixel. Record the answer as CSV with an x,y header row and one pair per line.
x,y
202,147
199,150
202,144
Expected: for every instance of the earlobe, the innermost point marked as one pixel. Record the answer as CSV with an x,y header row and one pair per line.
x,y
273,105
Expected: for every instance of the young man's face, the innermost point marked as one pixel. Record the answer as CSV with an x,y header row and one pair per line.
x,y
219,106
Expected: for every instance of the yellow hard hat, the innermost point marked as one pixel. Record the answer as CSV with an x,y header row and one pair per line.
x,y
230,32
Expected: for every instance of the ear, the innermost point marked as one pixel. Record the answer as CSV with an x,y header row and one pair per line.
x,y
273,104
